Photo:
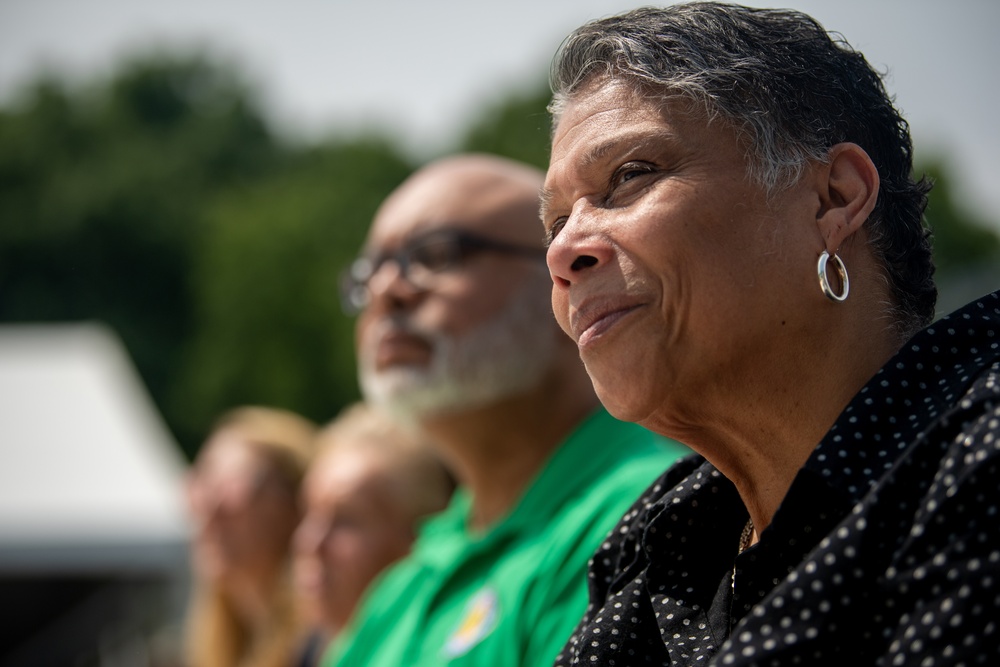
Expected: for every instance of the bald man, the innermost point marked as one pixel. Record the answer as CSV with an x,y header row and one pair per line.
x,y
455,337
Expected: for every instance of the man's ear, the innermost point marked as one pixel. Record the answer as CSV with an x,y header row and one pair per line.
x,y
848,188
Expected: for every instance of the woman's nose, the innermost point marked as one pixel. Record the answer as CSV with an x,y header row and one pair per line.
x,y
308,536
579,247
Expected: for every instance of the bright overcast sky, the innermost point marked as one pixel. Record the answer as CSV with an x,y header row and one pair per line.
x,y
421,68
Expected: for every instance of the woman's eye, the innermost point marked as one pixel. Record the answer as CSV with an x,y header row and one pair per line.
x,y
627,172
553,230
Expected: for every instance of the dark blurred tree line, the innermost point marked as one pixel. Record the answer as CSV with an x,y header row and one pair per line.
x,y
162,203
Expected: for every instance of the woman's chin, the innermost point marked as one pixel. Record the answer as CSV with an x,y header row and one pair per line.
x,y
621,403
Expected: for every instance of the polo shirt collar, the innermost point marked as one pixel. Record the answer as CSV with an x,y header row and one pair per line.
x,y
576,464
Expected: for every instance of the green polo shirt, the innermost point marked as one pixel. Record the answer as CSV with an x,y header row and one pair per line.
x,y
513,594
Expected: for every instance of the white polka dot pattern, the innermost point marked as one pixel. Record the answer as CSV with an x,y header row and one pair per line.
x,y
886,550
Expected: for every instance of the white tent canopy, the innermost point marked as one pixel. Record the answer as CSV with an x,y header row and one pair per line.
x,y
89,474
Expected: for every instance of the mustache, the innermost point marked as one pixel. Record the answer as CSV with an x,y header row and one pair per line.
x,y
400,325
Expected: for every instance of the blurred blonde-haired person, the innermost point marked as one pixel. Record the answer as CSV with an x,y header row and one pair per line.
x,y
364,495
244,499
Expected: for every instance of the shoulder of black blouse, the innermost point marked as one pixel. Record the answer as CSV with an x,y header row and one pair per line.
x,y
653,495
623,540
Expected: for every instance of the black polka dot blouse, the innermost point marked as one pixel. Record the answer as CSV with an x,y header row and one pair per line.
x,y
886,550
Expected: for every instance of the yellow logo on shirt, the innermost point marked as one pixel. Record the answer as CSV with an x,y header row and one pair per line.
x,y
478,620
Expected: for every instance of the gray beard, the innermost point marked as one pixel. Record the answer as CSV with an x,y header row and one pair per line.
x,y
501,358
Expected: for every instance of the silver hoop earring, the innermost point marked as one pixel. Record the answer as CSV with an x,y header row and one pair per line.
x,y
824,278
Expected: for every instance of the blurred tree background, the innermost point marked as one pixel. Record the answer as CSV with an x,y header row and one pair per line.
x,y
162,202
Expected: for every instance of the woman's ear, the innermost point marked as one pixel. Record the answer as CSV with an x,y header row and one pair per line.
x,y
848,191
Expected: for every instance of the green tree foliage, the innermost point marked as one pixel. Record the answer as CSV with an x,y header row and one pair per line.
x,y
269,328
960,240
101,196
516,127
161,203
966,249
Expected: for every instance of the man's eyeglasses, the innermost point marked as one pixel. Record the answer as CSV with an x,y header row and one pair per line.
x,y
421,261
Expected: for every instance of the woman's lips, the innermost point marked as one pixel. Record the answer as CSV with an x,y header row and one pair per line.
x,y
593,322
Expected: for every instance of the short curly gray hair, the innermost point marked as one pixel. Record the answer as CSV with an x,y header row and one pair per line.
x,y
790,89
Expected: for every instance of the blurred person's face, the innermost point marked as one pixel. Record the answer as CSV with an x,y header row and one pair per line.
x,y
353,528
469,333
670,268
244,511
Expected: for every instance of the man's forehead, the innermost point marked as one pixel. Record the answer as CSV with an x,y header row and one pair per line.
x,y
396,230
476,204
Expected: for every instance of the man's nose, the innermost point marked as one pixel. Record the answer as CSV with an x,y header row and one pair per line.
x,y
389,286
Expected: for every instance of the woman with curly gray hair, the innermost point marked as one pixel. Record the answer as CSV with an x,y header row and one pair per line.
x,y
736,245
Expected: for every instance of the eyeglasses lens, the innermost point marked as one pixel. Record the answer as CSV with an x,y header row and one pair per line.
x,y
418,264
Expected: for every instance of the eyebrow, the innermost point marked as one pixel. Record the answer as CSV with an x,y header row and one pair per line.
x,y
635,140
545,203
